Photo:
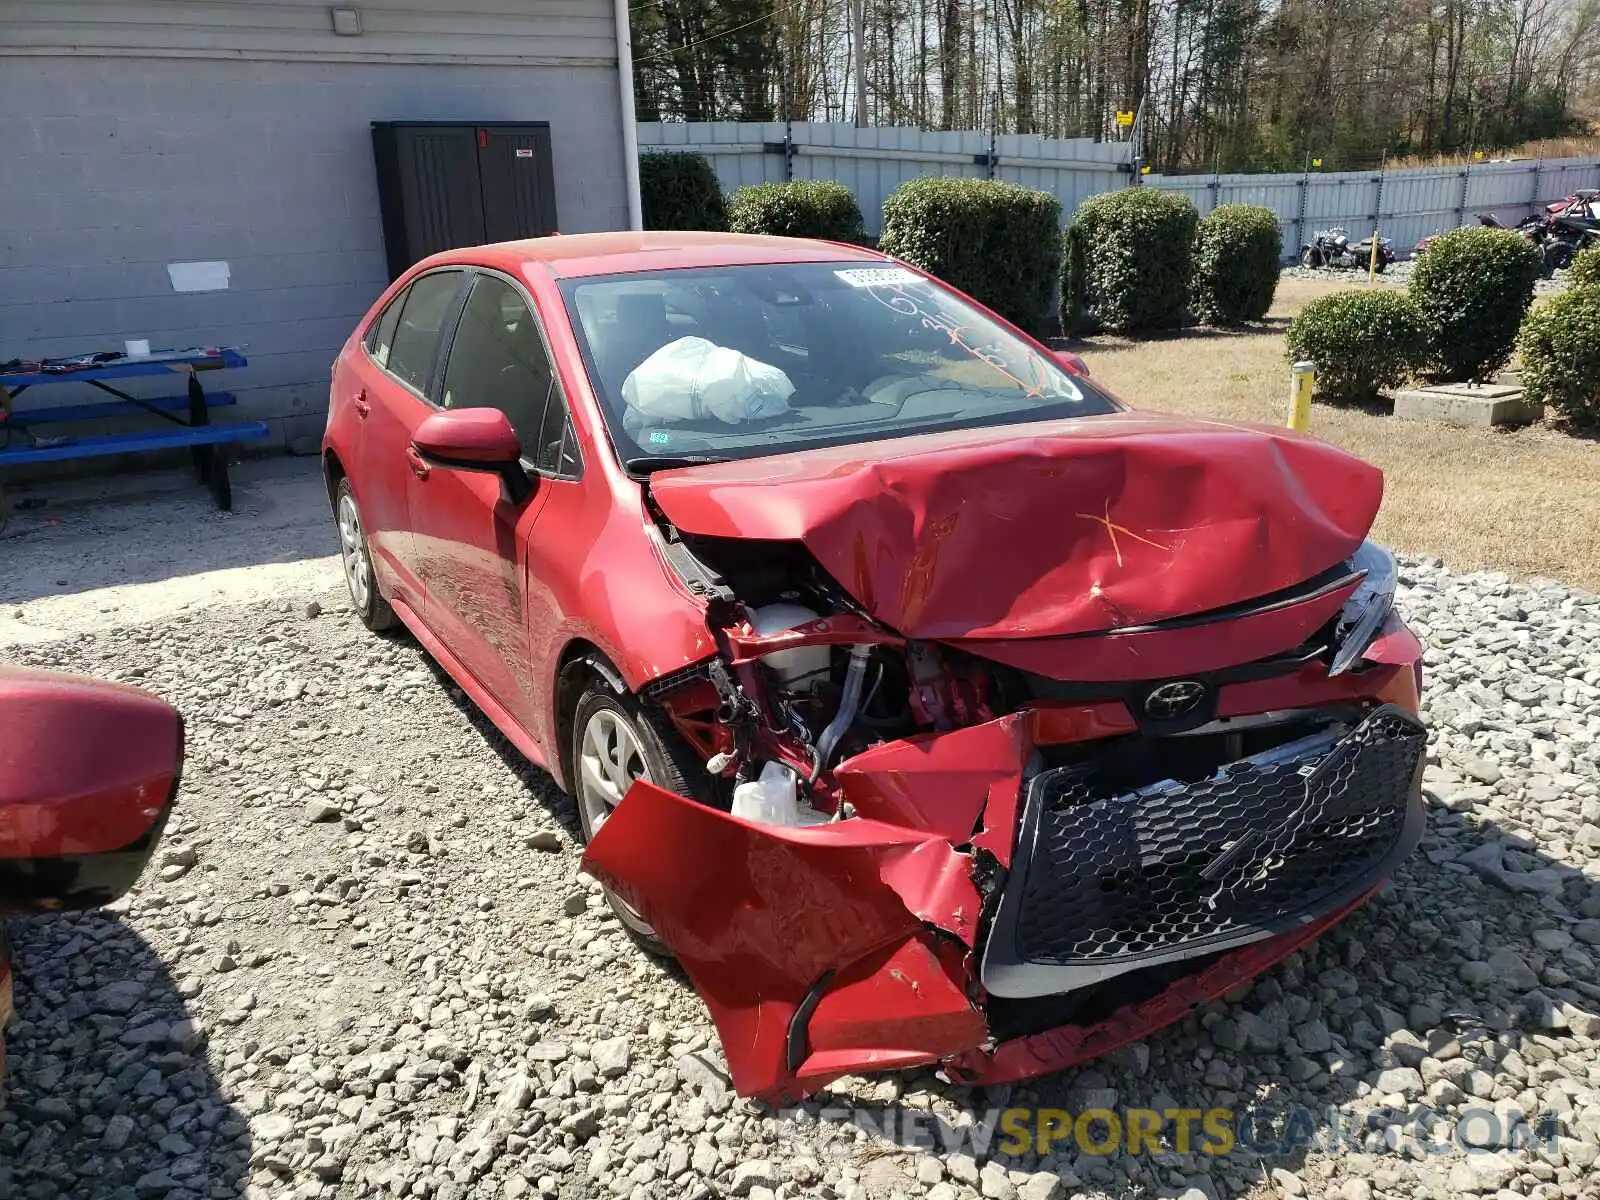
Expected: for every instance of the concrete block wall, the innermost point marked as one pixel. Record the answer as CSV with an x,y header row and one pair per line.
x,y
113,167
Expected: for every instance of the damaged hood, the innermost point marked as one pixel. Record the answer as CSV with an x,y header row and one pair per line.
x,y
1048,529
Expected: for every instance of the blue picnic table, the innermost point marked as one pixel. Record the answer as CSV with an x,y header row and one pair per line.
x,y
186,418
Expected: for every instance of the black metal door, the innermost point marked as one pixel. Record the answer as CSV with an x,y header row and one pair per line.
x,y
428,190
518,181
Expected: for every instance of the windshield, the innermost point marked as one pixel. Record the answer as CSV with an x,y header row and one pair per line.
x,y
707,364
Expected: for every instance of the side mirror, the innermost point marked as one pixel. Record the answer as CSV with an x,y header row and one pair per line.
x,y
1072,362
475,439
88,774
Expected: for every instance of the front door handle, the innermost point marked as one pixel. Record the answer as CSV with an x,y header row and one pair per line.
x,y
363,409
419,465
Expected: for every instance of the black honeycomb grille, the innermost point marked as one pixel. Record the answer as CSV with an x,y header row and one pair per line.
x,y
1254,846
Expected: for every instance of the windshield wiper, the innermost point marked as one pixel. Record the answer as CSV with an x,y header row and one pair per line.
x,y
647,463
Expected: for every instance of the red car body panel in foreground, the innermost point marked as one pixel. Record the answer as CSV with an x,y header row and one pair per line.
x,y
1110,647
88,773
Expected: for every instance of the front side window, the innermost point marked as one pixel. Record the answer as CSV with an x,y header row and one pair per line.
x,y
498,360
423,310
744,361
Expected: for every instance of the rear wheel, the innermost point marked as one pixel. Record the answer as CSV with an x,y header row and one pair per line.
x,y
356,559
615,744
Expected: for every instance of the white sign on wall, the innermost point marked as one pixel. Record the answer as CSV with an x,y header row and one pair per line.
x,y
198,276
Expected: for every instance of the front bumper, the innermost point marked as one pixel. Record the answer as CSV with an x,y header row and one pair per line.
x,y
891,940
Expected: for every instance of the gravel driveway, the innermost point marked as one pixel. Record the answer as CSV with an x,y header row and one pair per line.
x,y
366,964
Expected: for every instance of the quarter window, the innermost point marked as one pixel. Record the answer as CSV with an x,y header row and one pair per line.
x,y
381,339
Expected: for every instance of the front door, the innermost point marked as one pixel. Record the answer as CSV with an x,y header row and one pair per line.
x,y
469,537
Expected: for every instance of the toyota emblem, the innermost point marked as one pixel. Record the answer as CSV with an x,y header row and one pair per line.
x,y
1173,700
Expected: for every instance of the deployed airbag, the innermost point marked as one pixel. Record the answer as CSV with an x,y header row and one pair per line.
x,y
693,379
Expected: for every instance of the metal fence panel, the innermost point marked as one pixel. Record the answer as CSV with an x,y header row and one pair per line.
x,y
1406,204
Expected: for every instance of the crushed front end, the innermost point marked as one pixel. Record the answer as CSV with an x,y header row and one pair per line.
x,y
1011,852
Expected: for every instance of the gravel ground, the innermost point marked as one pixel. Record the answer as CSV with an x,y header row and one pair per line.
x,y
365,964
1399,275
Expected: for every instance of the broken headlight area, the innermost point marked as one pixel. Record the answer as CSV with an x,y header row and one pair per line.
x,y
1364,614
804,680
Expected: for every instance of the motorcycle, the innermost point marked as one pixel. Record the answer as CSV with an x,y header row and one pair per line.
x,y
1566,236
1583,199
1333,248
1560,236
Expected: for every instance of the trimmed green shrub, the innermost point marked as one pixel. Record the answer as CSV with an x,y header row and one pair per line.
x,y
679,190
1072,266
1585,269
1360,342
998,242
1473,288
1559,346
1138,258
1238,253
805,208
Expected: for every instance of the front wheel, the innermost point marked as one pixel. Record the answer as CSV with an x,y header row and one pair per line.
x,y
1309,258
356,558
616,743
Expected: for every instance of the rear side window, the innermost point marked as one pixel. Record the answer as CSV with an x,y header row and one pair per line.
x,y
416,335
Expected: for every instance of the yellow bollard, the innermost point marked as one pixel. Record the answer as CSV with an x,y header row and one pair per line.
x,y
1302,379
1372,267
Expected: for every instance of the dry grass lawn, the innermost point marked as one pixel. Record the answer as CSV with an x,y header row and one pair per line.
x,y
1524,501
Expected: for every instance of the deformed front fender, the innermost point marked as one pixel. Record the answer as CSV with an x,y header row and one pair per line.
x,y
798,938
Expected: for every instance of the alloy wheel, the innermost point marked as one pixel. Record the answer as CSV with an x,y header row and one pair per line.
x,y
353,552
609,761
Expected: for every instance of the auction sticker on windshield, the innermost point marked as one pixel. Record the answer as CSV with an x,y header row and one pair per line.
x,y
866,277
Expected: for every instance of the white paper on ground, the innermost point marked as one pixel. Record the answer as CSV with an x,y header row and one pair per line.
x,y
198,276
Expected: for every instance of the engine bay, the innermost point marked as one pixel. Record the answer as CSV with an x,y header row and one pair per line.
x,y
805,679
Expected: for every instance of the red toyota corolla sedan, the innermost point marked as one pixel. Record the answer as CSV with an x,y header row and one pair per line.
x,y
929,705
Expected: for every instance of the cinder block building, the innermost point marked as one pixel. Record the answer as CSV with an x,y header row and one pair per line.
x,y
153,146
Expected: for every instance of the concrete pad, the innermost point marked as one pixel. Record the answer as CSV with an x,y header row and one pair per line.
x,y
1467,404
111,551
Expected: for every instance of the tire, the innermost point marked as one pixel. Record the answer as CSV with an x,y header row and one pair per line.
x,y
1309,258
659,756
356,558
1557,257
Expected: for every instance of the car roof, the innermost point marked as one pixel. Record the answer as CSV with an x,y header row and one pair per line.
x,y
571,255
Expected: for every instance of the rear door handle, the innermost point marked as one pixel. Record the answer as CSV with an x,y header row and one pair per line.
x,y
419,465
363,409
